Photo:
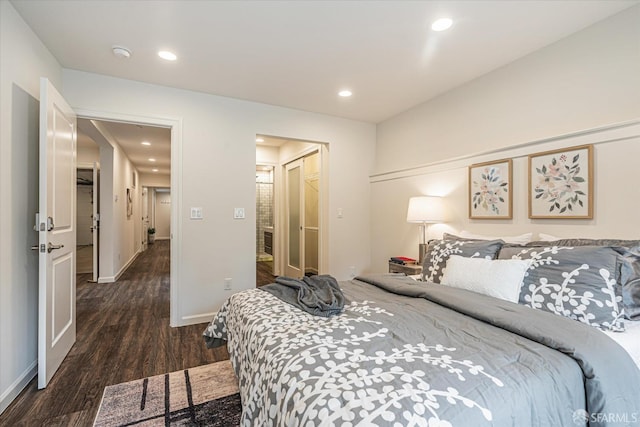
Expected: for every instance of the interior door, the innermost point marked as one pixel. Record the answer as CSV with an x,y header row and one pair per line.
x,y
294,219
95,216
145,217
56,232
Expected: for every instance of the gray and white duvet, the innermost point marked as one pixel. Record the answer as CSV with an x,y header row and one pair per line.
x,y
405,353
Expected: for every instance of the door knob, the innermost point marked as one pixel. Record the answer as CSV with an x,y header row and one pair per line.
x,y
51,247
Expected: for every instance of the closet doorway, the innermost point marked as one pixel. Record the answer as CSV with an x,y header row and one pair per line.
x,y
300,206
297,171
302,185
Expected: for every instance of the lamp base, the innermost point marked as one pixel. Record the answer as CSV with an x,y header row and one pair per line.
x,y
422,251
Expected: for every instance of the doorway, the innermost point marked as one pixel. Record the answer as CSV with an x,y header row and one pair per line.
x,y
264,223
300,205
87,233
302,195
136,153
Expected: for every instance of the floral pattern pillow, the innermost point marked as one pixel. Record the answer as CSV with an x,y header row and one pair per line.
x,y
439,251
581,283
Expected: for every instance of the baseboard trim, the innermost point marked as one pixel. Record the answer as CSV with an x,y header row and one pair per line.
x,y
197,318
111,279
18,385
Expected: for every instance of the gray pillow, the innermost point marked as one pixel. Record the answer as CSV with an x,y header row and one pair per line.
x,y
439,251
592,242
630,277
581,282
630,280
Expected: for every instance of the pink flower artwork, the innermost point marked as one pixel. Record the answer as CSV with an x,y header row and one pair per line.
x,y
560,183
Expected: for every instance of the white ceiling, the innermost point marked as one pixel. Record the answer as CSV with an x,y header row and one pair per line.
x,y
299,54
130,137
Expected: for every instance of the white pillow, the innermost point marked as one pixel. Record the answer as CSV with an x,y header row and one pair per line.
x,y
517,240
548,237
499,278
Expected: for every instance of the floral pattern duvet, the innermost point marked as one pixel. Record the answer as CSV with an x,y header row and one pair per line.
x,y
406,353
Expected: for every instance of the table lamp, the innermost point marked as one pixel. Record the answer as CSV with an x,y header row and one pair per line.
x,y
425,210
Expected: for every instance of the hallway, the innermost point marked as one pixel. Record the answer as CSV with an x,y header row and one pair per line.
x,y
123,334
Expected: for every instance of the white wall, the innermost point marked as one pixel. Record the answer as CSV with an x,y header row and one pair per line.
x,y
163,215
588,80
154,180
125,230
267,155
23,59
88,154
218,173
120,234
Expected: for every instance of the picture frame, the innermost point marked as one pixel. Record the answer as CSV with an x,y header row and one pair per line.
x,y
490,190
561,183
129,203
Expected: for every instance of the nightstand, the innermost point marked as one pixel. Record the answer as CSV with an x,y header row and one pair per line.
x,y
408,269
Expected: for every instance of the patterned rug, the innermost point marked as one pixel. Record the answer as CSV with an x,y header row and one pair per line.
x,y
202,396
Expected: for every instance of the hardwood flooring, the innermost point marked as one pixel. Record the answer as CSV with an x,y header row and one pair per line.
x,y
264,273
123,334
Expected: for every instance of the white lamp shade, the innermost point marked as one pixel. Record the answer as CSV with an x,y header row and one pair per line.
x,y
425,209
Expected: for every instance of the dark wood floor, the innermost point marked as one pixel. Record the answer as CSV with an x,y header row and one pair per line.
x,y
264,273
123,334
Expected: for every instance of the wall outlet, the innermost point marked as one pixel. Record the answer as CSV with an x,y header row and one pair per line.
x,y
352,272
227,284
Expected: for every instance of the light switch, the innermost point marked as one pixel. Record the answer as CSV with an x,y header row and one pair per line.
x,y
196,213
238,213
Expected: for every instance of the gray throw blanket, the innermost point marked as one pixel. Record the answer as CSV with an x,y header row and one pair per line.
x,y
318,295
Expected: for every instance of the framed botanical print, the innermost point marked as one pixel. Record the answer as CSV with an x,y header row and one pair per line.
x,y
561,183
490,190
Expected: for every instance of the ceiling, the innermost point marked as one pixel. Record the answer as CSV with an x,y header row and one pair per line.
x,y
130,137
299,54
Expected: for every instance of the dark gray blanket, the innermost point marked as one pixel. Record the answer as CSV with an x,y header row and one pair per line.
x,y
611,388
318,295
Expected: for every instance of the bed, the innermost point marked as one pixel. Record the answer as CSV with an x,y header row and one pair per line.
x,y
411,353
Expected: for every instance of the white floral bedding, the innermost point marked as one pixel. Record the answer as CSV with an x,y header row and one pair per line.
x,y
407,359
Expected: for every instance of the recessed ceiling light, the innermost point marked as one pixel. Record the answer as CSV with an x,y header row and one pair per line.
x,y
152,160
154,170
345,93
145,143
258,139
169,56
441,24
121,52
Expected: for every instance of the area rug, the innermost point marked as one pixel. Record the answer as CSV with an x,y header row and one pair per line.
x,y
202,396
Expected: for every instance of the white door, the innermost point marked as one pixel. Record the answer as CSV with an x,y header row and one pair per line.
x,y
56,232
145,217
294,219
95,217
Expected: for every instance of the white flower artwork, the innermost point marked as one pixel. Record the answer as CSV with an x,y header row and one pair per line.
x,y
318,372
561,183
490,190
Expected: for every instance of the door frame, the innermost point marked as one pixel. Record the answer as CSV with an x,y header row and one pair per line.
x,y
289,270
96,230
175,124
323,205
